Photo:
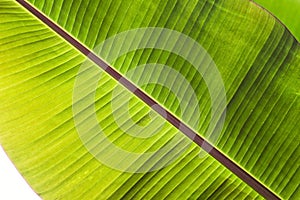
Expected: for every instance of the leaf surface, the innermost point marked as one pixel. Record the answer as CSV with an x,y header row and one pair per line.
x,y
256,56
38,70
286,11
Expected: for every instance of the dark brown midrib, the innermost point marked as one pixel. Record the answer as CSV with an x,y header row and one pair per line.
x,y
223,159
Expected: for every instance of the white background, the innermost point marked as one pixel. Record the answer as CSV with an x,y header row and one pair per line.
x,y
12,184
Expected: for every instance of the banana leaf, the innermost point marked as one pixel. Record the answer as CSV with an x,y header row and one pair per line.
x,y
74,132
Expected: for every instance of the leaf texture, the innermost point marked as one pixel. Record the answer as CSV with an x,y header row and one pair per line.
x,y
286,11
257,57
38,70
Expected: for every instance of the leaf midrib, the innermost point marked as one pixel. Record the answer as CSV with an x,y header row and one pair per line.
x,y
214,152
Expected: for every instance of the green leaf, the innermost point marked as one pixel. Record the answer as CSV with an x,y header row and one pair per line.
x,y
38,71
255,55
286,11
